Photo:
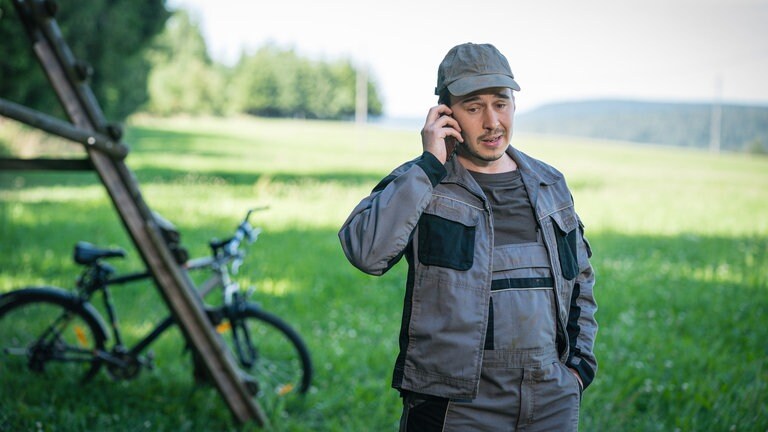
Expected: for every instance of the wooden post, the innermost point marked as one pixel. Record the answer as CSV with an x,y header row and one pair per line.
x,y
175,285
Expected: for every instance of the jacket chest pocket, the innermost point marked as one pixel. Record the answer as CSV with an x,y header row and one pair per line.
x,y
566,232
446,242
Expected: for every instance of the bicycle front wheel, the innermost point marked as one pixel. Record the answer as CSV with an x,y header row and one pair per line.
x,y
47,330
269,350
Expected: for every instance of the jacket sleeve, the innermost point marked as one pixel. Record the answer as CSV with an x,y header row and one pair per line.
x,y
378,230
582,326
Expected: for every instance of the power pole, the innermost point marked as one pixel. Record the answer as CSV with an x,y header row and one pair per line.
x,y
716,117
361,95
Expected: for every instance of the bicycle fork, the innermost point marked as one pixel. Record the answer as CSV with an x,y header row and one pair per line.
x,y
246,352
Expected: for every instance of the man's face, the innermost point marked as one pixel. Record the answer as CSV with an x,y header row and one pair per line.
x,y
486,118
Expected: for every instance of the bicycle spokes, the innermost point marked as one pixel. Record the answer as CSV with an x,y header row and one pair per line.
x,y
246,352
48,337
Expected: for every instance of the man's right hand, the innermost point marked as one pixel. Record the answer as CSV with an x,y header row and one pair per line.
x,y
438,132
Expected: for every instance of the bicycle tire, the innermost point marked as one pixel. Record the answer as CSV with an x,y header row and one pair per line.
x,y
27,315
282,363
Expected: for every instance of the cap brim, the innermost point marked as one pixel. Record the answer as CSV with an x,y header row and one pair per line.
x,y
464,86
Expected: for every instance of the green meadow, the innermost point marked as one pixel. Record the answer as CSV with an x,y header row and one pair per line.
x,y
680,241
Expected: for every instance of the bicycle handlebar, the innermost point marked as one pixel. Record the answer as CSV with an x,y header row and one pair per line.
x,y
244,231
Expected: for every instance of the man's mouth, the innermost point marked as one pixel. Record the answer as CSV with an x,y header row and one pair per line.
x,y
494,140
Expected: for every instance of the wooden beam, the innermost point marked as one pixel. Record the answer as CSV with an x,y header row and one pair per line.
x,y
8,164
57,127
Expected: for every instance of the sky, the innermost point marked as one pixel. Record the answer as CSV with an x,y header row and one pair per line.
x,y
559,50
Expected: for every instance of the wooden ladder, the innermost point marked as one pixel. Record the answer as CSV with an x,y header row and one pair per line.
x,y
106,155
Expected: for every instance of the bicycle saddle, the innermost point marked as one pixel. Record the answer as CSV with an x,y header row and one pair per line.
x,y
87,254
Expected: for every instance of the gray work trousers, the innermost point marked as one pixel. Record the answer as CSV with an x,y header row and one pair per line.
x,y
523,384
519,391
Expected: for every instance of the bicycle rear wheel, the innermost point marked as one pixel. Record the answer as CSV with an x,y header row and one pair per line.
x,y
269,350
47,330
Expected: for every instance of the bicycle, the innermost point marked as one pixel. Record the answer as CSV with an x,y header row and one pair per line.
x,y
45,328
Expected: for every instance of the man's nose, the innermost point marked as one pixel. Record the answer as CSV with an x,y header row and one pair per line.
x,y
490,119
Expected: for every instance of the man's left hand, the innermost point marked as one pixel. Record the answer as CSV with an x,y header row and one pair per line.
x,y
578,378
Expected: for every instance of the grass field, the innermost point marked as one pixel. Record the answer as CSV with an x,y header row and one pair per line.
x,y
680,242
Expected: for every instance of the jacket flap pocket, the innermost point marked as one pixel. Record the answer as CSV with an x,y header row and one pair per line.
x,y
445,242
566,232
453,209
565,220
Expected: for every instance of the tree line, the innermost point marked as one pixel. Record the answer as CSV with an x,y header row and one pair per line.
x,y
148,59
739,128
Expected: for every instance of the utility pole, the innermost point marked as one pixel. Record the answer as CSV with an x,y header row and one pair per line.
x,y
716,117
361,95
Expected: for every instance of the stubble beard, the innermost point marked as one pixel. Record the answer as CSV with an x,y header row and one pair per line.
x,y
464,149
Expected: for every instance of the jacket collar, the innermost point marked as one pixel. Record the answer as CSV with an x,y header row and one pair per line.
x,y
535,174
539,172
458,174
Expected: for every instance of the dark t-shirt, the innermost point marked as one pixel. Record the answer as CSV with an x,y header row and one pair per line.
x,y
513,218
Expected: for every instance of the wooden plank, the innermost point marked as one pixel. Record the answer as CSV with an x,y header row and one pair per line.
x,y
8,164
54,126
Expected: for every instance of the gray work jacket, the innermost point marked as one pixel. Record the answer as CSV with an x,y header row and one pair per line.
x,y
438,217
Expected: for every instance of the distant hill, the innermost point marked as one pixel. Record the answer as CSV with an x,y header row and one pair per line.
x,y
742,128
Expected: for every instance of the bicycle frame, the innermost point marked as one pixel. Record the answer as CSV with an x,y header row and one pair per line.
x,y
225,259
272,357
216,280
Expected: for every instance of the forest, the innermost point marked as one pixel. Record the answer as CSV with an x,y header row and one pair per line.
x,y
145,58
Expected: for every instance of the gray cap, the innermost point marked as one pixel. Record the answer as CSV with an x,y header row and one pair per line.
x,y
470,67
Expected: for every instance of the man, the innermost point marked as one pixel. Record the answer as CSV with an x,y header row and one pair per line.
x,y
498,322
